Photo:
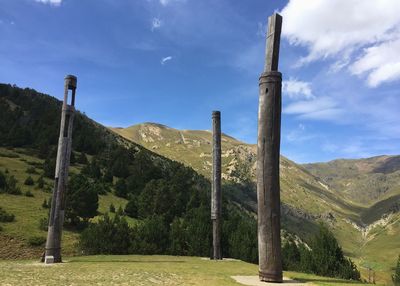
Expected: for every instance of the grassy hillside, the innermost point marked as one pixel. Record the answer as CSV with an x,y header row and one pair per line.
x,y
15,236
140,270
352,196
363,181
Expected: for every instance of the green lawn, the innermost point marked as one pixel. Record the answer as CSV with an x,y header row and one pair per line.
x,y
137,270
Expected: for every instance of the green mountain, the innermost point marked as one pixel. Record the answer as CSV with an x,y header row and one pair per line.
x,y
141,166
358,199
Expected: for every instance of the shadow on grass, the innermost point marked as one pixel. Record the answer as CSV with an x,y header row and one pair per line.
x,y
127,261
333,280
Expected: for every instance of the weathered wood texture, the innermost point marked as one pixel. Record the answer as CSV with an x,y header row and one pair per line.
x,y
273,43
57,211
268,150
216,185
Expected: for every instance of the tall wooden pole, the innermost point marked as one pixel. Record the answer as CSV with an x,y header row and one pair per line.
x,y
216,186
56,220
268,150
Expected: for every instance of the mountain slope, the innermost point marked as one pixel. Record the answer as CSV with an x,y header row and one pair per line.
x,y
373,182
302,191
310,193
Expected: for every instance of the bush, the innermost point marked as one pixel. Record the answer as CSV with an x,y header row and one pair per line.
x,y
112,208
37,241
6,217
83,200
150,237
121,188
131,209
40,182
49,167
31,170
108,236
1,228
46,204
3,182
10,186
43,223
120,211
396,275
82,159
29,194
29,181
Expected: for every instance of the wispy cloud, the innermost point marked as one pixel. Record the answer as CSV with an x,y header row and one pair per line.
x,y
297,89
261,29
155,24
166,2
299,134
50,2
364,35
165,60
321,108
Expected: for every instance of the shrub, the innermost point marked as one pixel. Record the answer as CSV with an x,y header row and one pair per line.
x,y
29,181
3,181
120,211
6,217
1,228
44,223
83,200
49,167
131,209
396,275
108,236
40,182
46,204
11,186
37,241
150,236
121,189
82,159
112,208
31,170
29,194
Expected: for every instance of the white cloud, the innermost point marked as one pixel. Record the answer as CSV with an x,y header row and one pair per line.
x,y
297,89
322,108
382,62
340,29
155,24
166,2
51,2
166,59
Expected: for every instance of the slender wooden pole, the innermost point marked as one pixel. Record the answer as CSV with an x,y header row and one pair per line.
x,y
268,150
56,220
216,186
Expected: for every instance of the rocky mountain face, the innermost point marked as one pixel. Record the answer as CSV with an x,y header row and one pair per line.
x,y
358,199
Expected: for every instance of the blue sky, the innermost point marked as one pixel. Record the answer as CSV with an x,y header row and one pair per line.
x,y
174,61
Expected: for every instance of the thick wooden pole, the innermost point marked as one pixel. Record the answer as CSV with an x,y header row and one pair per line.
x,y
268,150
216,186
56,220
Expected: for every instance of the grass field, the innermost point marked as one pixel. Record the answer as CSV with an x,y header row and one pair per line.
x,y
138,270
28,210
